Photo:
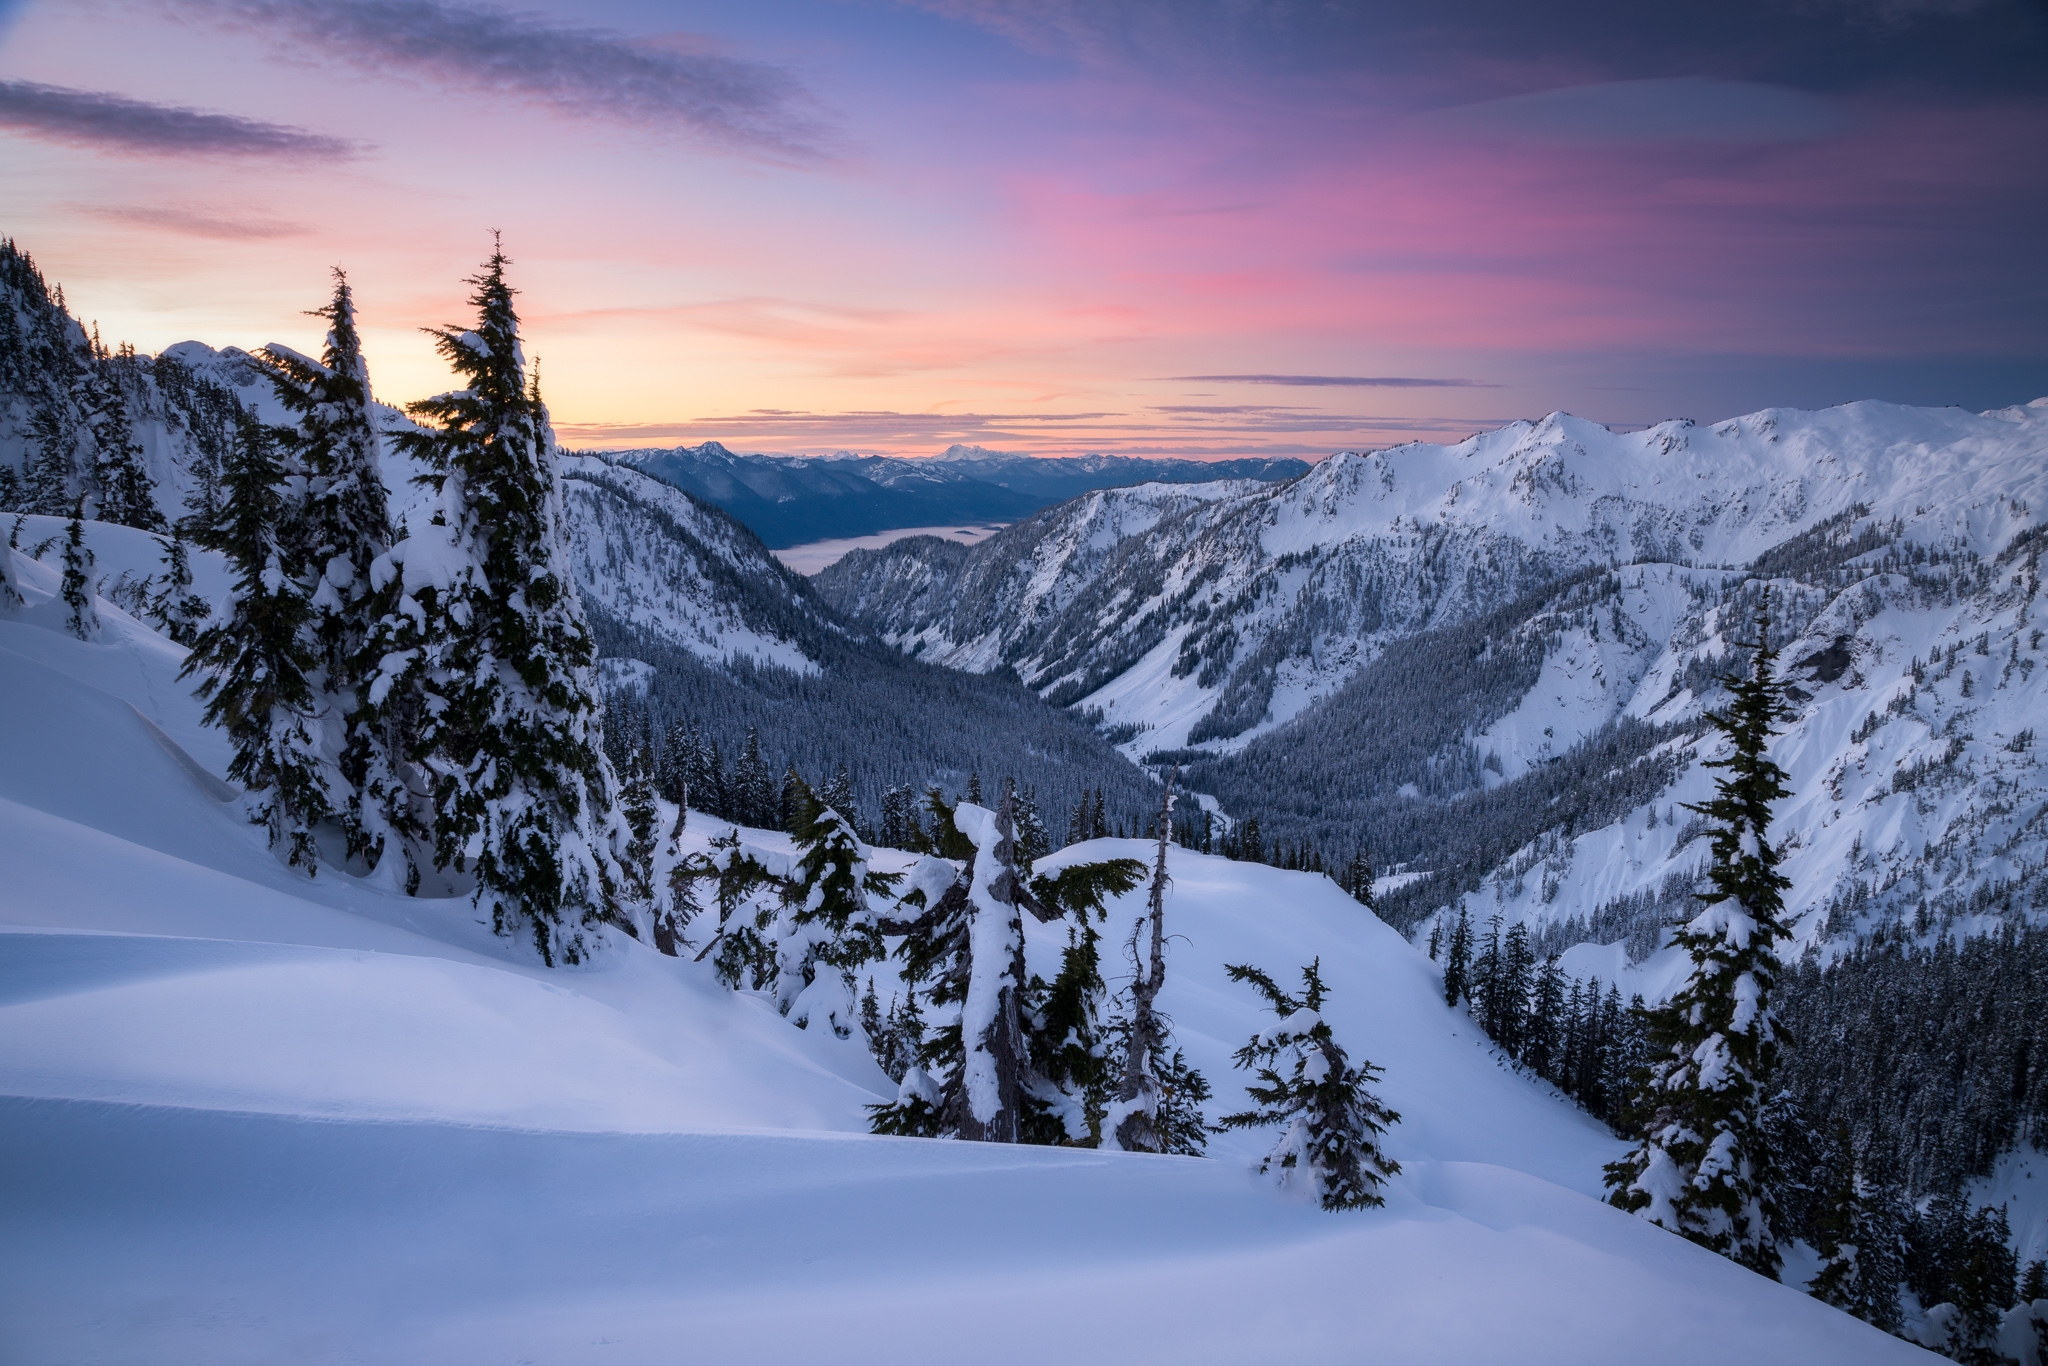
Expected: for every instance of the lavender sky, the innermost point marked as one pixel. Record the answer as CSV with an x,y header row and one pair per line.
x,y
1191,227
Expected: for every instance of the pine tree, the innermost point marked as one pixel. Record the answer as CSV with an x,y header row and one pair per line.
x,y
80,588
837,792
257,660
125,495
339,530
1330,1122
1183,1125
1857,1233
1132,1123
1703,1168
1543,1042
174,608
1358,880
639,809
524,798
1034,841
836,928
977,1079
1068,1046
1458,962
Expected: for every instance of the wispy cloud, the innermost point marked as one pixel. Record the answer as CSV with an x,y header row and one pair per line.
x,y
1198,433
92,118
1334,381
585,72
195,221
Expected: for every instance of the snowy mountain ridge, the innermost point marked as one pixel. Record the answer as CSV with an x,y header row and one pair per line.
x,y
1404,649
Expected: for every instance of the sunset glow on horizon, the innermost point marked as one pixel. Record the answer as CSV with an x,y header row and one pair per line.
x,y
1141,228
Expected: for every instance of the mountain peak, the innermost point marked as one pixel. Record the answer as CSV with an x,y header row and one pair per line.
x,y
956,451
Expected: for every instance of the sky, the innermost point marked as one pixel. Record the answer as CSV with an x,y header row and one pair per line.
x,y
1199,228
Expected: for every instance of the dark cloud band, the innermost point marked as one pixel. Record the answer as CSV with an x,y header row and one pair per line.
x,y
96,119
589,73
1334,381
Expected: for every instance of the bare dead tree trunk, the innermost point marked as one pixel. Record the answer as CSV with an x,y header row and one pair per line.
x,y
1138,1096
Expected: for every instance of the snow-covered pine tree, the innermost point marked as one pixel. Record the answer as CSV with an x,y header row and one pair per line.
x,y
257,660
745,956
1132,1123
836,928
340,529
1330,1122
637,805
490,630
975,1078
1034,841
174,608
1069,1076
125,494
1703,1167
837,791
80,587
991,1028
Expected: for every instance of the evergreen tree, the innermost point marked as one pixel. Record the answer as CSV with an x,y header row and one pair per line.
x,y
746,956
1857,1233
1542,1043
80,587
837,792
337,532
1183,1125
1458,961
900,829
495,641
836,928
257,660
1132,1123
1330,1122
639,808
174,608
1703,1168
1034,841
125,495
751,799
1068,1078
1358,880
978,1079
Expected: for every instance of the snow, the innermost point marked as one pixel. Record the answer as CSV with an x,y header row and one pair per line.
x,y
250,1117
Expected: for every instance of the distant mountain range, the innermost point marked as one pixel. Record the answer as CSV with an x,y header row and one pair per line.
x,y
792,500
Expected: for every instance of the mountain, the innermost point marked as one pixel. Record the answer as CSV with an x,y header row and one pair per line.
x,y
250,1116
1476,659
791,500
731,640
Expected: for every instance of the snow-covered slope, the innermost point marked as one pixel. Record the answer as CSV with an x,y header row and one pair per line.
x,y
249,1117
